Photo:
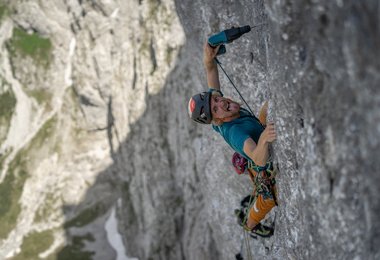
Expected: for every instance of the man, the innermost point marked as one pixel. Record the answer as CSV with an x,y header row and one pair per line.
x,y
242,131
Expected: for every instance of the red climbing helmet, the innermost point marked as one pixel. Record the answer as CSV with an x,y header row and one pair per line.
x,y
199,108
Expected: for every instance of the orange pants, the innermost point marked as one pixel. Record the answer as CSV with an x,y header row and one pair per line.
x,y
263,204
260,208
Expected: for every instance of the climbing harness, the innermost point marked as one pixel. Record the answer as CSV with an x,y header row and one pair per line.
x,y
263,179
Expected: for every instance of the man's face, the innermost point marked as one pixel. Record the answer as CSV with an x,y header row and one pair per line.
x,y
223,107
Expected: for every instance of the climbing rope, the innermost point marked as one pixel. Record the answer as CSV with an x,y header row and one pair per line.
x,y
247,245
263,182
245,232
220,65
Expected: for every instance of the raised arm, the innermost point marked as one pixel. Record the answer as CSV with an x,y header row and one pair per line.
x,y
211,67
259,153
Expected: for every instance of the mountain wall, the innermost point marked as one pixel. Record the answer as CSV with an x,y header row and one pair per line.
x,y
99,159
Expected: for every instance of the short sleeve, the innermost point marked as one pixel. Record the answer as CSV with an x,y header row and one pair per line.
x,y
237,138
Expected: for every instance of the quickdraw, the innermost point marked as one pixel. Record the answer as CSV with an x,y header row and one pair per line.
x,y
263,178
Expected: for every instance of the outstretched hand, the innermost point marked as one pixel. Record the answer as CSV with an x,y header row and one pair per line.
x,y
209,54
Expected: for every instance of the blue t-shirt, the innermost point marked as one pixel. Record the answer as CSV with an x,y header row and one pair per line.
x,y
237,131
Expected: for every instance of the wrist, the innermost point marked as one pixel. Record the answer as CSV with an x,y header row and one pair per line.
x,y
263,142
210,64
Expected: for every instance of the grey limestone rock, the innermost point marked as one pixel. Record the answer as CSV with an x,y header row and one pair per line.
x,y
102,130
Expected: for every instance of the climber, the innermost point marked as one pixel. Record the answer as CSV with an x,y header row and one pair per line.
x,y
240,129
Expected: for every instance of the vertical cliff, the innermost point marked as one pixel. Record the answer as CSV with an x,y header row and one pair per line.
x,y
75,77
99,159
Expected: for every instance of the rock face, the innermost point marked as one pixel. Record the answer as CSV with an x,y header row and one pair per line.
x,y
94,129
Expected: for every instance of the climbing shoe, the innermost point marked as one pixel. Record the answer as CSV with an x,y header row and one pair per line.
x,y
240,215
259,229
262,230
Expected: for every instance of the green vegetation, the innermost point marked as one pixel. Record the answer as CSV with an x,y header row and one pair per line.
x,y
87,216
44,134
3,10
7,106
12,186
34,244
3,156
74,251
42,96
32,45
10,193
39,49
